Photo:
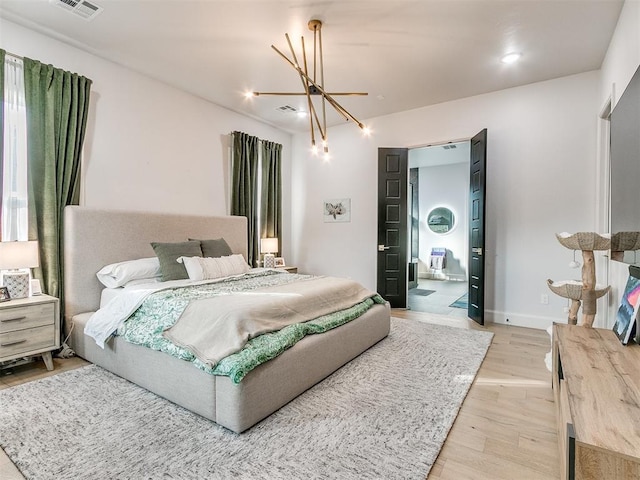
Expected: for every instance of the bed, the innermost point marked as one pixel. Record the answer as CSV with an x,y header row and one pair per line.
x,y
94,238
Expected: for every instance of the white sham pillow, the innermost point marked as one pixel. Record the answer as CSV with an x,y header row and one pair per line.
x,y
121,273
207,268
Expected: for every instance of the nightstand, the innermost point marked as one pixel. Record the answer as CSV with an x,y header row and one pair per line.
x,y
289,269
29,326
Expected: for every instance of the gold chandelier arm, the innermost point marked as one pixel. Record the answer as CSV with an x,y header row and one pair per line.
x,y
296,66
333,94
293,52
324,103
322,128
312,110
306,89
337,107
315,32
329,98
323,132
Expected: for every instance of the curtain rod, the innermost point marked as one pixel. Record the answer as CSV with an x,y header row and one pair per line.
x,y
18,57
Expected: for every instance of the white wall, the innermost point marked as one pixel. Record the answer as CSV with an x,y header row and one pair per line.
x,y
540,176
621,62
150,146
445,186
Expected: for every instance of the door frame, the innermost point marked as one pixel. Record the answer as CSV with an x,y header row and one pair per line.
x,y
426,145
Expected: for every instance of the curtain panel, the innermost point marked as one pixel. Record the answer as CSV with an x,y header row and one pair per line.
x,y
271,193
257,189
244,187
57,104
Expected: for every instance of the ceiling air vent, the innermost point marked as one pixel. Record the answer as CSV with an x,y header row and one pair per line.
x,y
287,109
449,147
81,8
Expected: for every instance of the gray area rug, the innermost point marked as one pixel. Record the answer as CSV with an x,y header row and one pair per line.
x,y
385,415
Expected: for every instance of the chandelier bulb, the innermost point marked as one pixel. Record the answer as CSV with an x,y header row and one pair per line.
x,y
314,149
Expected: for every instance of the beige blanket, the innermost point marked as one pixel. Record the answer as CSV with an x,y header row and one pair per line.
x,y
214,328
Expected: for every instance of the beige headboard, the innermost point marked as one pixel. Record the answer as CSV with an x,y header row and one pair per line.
x,y
94,238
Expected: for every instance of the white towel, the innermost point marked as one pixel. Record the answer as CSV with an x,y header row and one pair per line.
x,y
437,262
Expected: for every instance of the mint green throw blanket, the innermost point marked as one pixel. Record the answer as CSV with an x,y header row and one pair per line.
x,y
216,327
162,309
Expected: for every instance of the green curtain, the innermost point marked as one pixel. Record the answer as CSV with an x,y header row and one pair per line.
x,y
245,184
271,193
57,104
2,55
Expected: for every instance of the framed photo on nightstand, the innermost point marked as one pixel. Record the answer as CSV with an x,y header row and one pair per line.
x,y
280,262
4,294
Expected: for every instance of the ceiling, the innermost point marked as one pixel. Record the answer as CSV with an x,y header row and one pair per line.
x,y
437,155
405,53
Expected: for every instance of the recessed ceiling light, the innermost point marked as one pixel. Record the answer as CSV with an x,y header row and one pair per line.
x,y
511,57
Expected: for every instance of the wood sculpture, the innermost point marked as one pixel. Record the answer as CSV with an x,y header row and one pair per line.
x,y
585,292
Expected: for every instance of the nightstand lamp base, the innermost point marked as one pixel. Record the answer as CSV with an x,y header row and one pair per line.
x,y
17,283
269,260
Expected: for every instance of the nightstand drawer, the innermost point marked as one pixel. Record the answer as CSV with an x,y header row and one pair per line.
x,y
29,340
19,318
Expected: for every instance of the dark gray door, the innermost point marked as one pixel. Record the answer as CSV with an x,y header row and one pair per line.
x,y
392,225
477,182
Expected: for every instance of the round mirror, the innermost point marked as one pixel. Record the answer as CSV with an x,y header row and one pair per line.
x,y
440,220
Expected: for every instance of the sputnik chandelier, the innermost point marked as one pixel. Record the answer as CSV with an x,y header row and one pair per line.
x,y
314,87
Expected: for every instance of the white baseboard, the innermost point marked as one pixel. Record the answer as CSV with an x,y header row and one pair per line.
x,y
520,320
531,321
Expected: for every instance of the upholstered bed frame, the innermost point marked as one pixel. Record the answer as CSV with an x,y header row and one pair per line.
x,y
94,238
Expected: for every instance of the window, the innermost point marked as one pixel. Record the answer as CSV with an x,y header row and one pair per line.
x,y
14,167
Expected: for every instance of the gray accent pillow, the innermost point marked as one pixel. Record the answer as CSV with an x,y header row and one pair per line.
x,y
168,254
214,248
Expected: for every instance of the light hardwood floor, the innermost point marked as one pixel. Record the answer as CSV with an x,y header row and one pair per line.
x,y
504,430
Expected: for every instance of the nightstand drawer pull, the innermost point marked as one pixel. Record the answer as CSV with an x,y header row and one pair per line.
x,y
12,319
8,344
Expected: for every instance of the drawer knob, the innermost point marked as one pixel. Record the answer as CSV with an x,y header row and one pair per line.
x,y
5,320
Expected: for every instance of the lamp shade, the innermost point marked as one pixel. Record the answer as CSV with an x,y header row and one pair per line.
x,y
15,255
268,245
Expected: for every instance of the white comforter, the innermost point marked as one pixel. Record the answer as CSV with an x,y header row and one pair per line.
x,y
108,319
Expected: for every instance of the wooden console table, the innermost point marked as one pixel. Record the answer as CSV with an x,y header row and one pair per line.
x,y
596,382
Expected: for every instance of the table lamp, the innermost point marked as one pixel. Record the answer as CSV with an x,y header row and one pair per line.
x,y
15,257
269,246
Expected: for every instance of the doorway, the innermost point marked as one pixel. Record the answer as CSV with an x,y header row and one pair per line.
x,y
396,268
438,208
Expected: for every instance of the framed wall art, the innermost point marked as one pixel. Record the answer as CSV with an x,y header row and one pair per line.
x,y
337,210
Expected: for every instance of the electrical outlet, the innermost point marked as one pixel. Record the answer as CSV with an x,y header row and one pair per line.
x,y
544,299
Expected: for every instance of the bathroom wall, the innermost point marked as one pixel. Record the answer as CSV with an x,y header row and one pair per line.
x,y
444,186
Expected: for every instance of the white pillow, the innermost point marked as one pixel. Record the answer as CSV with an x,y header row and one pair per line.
x,y
207,268
119,274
